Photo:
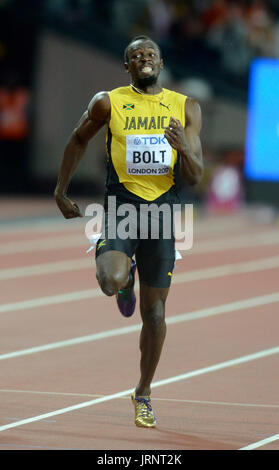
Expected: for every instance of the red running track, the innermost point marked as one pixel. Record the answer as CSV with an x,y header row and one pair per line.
x,y
69,360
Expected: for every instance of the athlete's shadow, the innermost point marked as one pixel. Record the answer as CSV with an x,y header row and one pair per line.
x,y
176,440
173,440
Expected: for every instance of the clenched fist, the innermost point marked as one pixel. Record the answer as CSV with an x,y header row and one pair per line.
x,y
175,135
69,209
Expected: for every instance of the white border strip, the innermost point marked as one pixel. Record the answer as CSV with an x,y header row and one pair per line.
x,y
176,378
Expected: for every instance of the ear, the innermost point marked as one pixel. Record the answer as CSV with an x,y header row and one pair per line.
x,y
161,64
126,65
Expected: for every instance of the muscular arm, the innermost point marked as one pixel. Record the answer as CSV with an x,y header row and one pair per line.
x,y
94,118
187,142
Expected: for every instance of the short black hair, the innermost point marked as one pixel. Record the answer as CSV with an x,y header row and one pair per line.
x,y
137,38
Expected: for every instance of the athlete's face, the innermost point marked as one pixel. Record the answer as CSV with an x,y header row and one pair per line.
x,y
144,62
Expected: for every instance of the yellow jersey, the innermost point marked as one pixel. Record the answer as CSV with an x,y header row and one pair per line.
x,y
138,155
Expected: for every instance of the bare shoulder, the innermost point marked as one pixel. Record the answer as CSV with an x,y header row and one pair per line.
x,y
94,118
99,106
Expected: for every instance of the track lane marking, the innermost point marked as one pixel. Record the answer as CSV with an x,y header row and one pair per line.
x,y
56,223
184,317
261,443
183,277
173,400
51,300
159,383
67,241
45,244
46,268
86,263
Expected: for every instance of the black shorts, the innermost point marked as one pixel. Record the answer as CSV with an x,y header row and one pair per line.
x,y
148,237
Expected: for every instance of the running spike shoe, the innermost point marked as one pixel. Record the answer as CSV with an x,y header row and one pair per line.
x,y
144,416
126,298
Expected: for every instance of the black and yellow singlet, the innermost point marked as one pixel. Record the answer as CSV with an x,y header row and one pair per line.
x,y
139,157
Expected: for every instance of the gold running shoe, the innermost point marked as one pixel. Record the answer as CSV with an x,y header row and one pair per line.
x,y
144,416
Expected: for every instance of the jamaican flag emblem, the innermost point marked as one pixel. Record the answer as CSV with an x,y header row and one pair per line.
x,y
128,106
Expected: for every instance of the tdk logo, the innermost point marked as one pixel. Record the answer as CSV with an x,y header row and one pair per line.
x,y
152,140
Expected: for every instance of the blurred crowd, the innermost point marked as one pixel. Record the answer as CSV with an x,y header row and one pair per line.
x,y
238,30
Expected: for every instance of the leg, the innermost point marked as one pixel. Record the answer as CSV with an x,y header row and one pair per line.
x,y
152,307
113,271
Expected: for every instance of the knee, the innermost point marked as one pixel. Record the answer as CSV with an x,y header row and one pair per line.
x,y
154,315
111,283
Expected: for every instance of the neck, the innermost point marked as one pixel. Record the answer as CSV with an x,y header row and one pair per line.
x,y
147,90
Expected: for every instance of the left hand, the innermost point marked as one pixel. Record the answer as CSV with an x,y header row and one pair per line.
x,y
175,135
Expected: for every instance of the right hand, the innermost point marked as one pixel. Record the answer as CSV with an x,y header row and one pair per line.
x,y
69,209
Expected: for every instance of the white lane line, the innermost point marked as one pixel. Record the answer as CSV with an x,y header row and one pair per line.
x,y
72,342
261,443
44,244
194,275
16,419
51,300
66,241
241,241
46,268
215,224
159,383
86,263
172,400
184,317
45,225
57,223
218,403
63,394
227,270
14,447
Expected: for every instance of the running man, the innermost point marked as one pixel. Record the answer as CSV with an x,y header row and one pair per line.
x,y
151,131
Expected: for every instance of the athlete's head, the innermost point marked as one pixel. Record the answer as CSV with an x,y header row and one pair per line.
x,y
143,60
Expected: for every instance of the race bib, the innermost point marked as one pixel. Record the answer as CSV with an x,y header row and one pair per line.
x,y
148,154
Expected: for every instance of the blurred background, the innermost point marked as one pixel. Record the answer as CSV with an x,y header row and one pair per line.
x,y
56,54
